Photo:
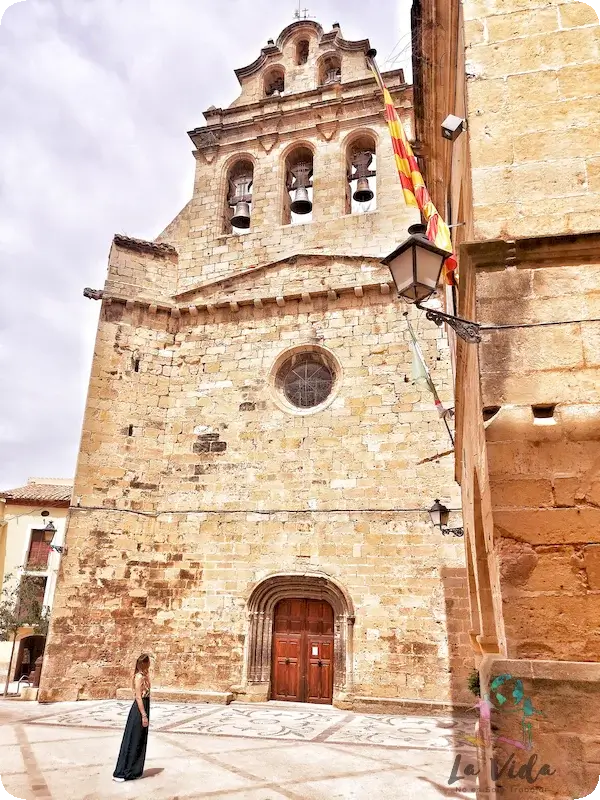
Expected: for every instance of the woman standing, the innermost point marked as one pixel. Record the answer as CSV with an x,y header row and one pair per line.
x,y
130,764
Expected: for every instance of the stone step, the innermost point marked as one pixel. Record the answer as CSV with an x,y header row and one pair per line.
x,y
397,706
163,695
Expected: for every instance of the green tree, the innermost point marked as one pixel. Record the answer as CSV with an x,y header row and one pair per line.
x,y
21,604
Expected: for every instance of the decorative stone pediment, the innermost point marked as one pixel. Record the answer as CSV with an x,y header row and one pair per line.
x,y
296,276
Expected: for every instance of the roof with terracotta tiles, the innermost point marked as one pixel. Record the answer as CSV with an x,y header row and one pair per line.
x,y
36,492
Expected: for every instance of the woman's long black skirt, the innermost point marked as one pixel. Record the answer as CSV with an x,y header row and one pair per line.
x,y
130,764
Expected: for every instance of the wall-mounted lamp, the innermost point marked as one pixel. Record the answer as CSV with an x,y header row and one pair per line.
x,y
49,534
416,266
439,516
452,127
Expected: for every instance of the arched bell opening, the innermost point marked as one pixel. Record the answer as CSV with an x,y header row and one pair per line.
x,y
274,81
361,175
298,190
302,51
329,70
238,204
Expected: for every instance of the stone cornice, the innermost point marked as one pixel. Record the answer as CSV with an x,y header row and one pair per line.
x,y
233,276
234,305
141,246
268,114
533,251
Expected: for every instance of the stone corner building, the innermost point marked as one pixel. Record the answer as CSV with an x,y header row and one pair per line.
x,y
256,464
522,186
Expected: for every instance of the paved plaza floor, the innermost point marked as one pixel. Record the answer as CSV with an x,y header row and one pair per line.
x,y
267,751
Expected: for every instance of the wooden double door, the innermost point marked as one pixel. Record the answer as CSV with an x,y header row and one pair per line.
x,y
302,668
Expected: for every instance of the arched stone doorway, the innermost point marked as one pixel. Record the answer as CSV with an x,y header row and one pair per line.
x,y
262,603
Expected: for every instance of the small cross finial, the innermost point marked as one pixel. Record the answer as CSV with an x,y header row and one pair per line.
x,y
301,13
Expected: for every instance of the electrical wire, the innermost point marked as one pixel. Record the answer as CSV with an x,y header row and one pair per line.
x,y
537,324
155,514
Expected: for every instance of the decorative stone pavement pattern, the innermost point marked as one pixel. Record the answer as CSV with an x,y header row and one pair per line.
x,y
113,714
325,725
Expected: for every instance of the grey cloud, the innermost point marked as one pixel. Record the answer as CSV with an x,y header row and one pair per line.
x,y
96,99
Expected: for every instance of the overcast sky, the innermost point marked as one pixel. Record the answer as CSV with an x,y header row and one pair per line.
x,y
96,97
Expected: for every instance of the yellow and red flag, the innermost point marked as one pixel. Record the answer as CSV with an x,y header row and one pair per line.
x,y
413,185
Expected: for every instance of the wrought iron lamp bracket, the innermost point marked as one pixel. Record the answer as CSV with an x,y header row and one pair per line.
x,y
453,531
467,330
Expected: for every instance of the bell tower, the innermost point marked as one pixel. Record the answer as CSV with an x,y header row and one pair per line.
x,y
300,162
254,458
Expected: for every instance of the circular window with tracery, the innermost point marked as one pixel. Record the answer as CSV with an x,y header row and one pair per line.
x,y
306,379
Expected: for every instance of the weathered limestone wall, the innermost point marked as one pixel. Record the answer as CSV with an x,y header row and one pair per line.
x,y
139,269
486,615
208,252
563,732
177,587
282,492
544,477
533,75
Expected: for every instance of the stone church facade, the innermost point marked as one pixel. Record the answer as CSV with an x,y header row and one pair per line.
x,y
256,464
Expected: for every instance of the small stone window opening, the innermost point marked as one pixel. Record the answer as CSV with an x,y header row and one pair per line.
x,y
544,414
330,70
489,412
136,363
274,82
130,430
298,194
306,380
302,51
361,190
238,204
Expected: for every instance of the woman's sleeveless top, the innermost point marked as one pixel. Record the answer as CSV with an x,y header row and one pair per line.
x,y
145,686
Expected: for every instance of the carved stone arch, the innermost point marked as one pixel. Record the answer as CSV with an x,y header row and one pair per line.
x,y
298,151
227,169
359,140
261,608
329,69
352,135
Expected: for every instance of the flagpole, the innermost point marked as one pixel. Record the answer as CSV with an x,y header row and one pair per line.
x,y
413,186
430,383
371,54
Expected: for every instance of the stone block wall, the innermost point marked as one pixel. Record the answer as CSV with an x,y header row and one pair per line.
x,y
208,252
216,487
544,470
559,737
533,72
139,269
300,78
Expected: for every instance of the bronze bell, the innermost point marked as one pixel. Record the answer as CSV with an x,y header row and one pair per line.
x,y
301,203
363,193
241,215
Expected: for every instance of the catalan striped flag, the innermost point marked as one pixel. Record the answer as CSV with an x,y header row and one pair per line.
x,y
413,185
